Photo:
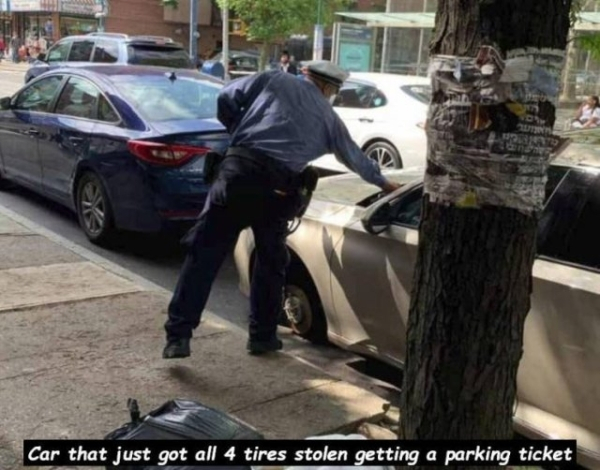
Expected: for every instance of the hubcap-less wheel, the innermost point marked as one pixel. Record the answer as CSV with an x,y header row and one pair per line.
x,y
298,310
383,157
93,208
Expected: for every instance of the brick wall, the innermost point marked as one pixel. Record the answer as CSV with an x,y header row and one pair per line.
x,y
139,17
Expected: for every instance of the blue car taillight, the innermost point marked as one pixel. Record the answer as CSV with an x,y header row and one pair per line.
x,y
164,154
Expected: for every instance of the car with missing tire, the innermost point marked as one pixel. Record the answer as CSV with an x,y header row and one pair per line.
x,y
123,146
110,48
385,115
351,273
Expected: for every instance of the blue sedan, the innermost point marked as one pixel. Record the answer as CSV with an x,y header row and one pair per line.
x,y
123,146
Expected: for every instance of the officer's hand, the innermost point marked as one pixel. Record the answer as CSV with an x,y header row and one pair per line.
x,y
390,186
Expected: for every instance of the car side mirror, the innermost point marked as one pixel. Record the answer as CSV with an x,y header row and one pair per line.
x,y
379,219
5,103
41,57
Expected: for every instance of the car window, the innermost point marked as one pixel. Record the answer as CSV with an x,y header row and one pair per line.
x,y
39,96
81,51
106,52
79,98
569,229
160,98
356,95
59,52
407,210
106,112
159,56
420,93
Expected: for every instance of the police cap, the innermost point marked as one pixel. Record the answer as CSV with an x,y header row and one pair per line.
x,y
328,72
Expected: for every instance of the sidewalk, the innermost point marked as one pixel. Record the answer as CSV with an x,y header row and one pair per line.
x,y
7,65
80,336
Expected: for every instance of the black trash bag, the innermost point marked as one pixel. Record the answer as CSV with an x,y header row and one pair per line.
x,y
180,420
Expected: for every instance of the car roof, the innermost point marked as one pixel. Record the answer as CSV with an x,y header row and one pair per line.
x,y
417,173
107,71
390,79
138,39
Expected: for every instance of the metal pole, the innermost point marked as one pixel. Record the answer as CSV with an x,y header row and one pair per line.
x,y
318,35
421,40
386,39
194,30
225,39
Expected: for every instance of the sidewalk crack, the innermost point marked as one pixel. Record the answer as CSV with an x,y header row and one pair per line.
x,y
285,395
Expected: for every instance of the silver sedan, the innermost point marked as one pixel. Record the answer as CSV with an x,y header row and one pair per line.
x,y
351,277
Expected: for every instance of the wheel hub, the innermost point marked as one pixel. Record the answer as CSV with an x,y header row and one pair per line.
x,y
382,156
293,309
92,208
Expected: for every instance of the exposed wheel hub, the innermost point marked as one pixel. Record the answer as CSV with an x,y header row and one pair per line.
x,y
92,207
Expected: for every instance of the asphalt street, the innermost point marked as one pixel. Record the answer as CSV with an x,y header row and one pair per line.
x,y
159,258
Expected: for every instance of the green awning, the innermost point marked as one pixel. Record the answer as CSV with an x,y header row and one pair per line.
x,y
588,21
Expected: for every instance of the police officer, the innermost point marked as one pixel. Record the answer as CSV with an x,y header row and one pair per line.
x,y
278,125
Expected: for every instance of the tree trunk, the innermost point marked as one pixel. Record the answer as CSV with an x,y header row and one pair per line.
x,y
484,188
264,56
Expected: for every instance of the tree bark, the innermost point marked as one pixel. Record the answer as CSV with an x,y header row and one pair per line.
x,y
472,283
264,55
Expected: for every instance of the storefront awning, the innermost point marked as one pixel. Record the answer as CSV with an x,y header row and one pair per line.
x,y
588,21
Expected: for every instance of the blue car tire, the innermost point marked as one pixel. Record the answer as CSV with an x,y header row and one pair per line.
x,y
94,210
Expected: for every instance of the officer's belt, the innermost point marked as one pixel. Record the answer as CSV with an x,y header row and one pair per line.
x,y
284,179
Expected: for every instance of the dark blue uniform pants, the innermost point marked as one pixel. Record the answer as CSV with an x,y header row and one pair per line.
x,y
242,196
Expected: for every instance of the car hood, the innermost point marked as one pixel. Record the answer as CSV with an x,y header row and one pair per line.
x,y
350,189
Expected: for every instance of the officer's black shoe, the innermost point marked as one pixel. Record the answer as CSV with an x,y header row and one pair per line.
x,y
262,347
177,348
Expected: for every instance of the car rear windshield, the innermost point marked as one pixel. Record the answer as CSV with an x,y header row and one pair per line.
x,y
421,93
160,98
159,56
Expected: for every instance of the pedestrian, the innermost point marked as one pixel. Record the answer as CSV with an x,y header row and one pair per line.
x,y
278,125
15,45
588,114
285,64
2,48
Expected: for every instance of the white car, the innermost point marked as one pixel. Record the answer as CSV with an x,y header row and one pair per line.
x,y
385,114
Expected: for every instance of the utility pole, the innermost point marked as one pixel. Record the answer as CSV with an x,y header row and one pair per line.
x,y
225,39
318,39
386,40
102,12
194,30
421,40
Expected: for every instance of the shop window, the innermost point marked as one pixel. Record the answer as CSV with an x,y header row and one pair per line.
x,y
106,52
81,51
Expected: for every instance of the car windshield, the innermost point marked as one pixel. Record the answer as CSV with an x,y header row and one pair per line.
x,y
159,56
351,190
421,93
160,98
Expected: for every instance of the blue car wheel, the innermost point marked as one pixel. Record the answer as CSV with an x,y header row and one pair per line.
x,y
94,210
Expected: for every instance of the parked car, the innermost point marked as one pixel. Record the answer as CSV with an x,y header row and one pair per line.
x,y
111,48
353,287
385,115
241,63
123,146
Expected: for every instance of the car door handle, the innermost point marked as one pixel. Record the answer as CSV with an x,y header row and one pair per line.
x,y
76,140
365,119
